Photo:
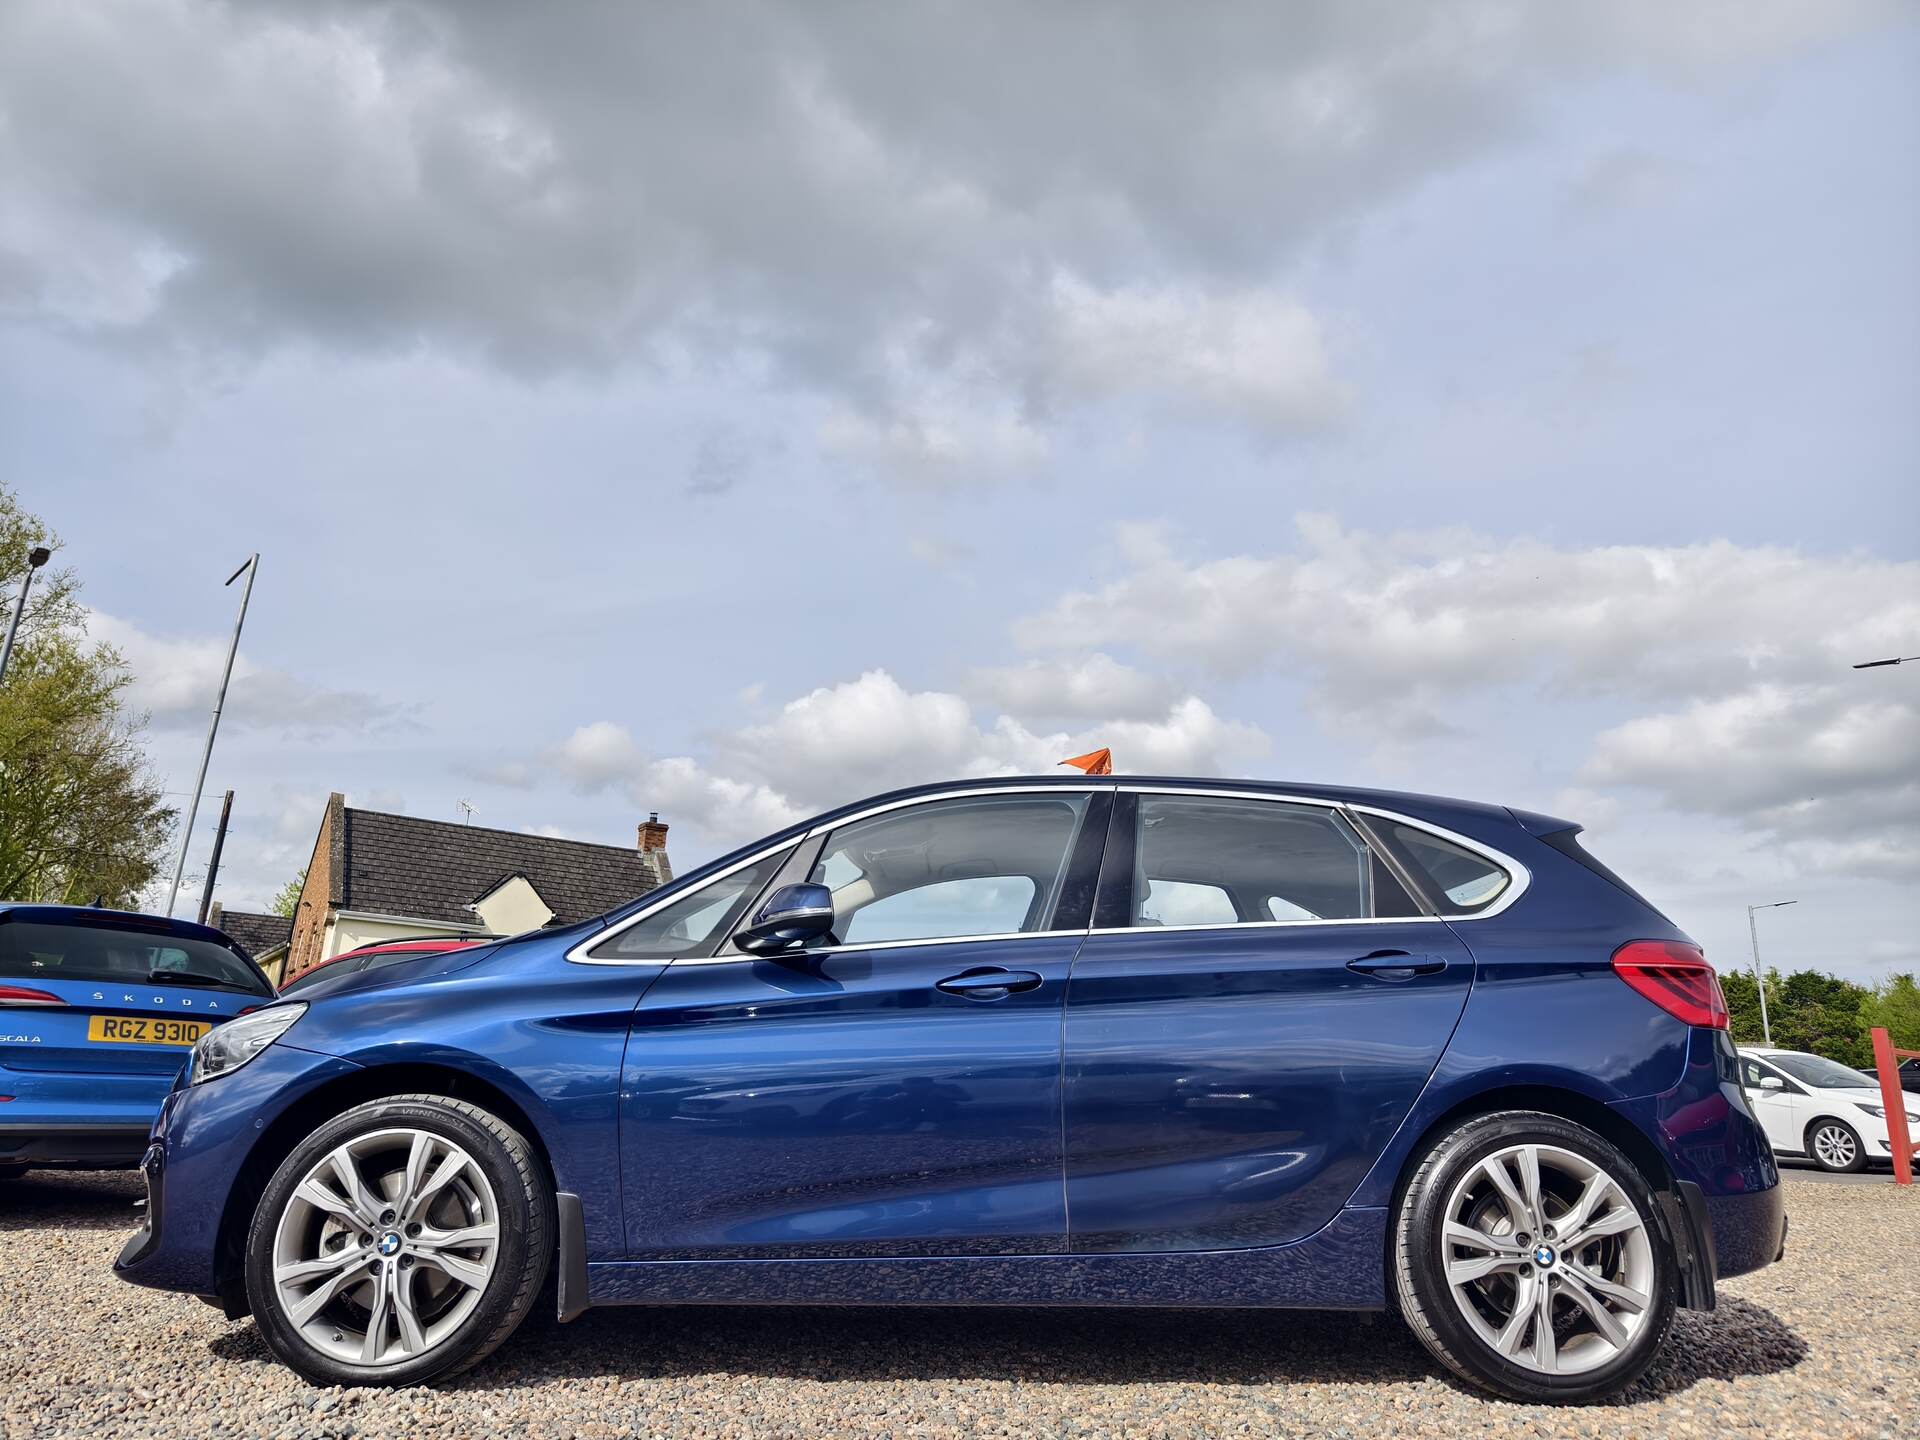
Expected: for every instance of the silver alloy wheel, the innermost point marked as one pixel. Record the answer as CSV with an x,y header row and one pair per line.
x,y
1547,1258
1834,1147
385,1246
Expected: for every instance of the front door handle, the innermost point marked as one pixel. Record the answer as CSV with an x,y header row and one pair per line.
x,y
1396,965
989,983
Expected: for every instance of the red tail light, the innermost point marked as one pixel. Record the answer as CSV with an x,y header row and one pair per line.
x,y
19,995
1675,977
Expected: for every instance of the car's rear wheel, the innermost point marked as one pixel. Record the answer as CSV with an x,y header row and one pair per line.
x,y
1834,1145
1528,1260
401,1242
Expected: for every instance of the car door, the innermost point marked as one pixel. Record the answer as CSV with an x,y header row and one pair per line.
x,y
1774,1099
1257,1006
895,1088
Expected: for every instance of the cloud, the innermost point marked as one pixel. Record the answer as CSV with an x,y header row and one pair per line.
x,y
1391,625
1731,661
870,734
1823,769
945,222
176,680
1090,688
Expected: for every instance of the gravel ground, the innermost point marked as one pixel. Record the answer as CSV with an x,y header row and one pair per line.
x,y
1800,1349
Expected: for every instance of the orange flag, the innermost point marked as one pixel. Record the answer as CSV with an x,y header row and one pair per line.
x,y
1094,762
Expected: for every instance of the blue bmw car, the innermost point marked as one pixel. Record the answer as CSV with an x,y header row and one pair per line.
x,y
98,1011
1075,1041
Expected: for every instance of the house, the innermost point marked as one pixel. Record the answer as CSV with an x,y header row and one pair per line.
x,y
375,876
264,937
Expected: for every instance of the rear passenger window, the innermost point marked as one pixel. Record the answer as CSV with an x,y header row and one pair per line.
x,y
1203,860
1460,880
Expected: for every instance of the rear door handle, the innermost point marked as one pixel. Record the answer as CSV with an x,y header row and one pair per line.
x,y
989,983
1396,965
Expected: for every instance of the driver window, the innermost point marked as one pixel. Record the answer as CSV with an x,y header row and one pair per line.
x,y
977,865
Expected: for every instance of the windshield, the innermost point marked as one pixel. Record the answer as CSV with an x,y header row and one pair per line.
x,y
1820,1073
33,951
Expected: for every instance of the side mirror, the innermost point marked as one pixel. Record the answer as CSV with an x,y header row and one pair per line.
x,y
1771,1082
792,915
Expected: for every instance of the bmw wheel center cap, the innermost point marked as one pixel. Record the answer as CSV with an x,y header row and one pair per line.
x,y
390,1243
1542,1255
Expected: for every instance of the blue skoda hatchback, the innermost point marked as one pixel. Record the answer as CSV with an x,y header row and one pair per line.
x,y
1076,1041
98,1010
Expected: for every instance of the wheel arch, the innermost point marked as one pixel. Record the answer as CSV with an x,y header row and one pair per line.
x,y
300,1119
1597,1116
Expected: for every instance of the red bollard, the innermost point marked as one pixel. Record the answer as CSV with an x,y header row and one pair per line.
x,y
1886,1060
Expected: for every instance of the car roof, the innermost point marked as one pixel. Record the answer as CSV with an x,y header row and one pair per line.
x,y
100,915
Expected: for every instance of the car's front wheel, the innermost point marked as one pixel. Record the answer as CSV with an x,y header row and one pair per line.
x,y
400,1242
1527,1259
1834,1146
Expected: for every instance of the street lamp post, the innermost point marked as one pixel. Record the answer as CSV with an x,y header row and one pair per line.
x,y
1891,660
250,569
1760,985
36,557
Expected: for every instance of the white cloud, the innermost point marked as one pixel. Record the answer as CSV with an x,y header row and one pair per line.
x,y
1093,687
1730,662
1824,770
871,734
1406,620
176,680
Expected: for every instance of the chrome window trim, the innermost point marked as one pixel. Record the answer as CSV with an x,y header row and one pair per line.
x,y
1520,876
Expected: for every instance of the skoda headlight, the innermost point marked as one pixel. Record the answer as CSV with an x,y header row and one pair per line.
x,y
225,1048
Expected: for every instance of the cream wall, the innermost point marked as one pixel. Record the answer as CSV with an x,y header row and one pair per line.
x,y
513,908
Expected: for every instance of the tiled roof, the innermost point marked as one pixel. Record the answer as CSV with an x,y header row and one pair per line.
x,y
433,869
256,934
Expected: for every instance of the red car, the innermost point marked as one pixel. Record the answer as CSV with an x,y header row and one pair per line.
x,y
372,957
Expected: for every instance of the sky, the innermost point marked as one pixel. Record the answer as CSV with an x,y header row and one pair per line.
x,y
734,411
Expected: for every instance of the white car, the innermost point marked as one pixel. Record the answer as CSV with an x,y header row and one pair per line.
x,y
1809,1105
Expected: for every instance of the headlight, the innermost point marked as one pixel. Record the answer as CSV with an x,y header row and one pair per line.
x,y
225,1048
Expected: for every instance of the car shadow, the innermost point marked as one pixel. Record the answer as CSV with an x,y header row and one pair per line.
x,y
72,1200
1061,1346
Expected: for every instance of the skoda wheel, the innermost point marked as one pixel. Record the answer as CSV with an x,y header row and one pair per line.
x,y
399,1243
1526,1257
1834,1146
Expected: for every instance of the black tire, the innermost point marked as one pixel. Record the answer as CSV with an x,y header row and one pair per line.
x,y
13,1172
1845,1140
1419,1257
525,1238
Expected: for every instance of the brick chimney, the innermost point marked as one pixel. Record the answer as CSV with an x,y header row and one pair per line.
x,y
653,849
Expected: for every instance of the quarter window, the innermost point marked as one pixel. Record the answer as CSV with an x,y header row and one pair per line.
x,y
691,924
978,865
1459,880
1205,860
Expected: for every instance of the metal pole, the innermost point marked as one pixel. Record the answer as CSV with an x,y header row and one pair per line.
x,y
36,557
250,569
1759,984
213,865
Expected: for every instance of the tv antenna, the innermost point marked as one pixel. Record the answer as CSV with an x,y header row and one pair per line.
x,y
467,806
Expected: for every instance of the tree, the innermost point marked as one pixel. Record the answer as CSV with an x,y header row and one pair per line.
x,y
1895,1004
81,817
1743,1006
287,899
1821,1014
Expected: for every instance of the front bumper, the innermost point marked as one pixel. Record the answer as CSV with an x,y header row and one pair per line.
x,y
197,1168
